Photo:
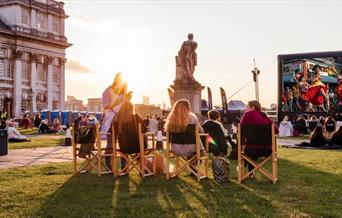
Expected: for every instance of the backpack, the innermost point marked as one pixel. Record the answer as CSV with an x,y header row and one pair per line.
x,y
221,168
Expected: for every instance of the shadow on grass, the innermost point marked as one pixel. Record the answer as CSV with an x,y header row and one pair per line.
x,y
300,191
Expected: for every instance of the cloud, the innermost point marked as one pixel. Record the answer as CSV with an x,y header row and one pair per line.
x,y
76,67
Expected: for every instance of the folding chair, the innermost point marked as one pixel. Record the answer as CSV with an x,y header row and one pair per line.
x,y
192,164
135,160
257,135
91,158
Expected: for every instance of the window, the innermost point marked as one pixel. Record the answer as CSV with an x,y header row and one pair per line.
x,y
25,70
41,72
2,67
5,68
25,16
41,22
55,25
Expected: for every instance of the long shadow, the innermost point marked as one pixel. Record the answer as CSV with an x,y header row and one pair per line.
x,y
81,196
300,191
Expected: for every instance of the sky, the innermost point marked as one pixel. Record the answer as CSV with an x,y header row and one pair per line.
x,y
142,38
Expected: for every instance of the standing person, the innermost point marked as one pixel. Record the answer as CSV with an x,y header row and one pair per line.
x,y
112,98
254,115
147,121
67,136
160,134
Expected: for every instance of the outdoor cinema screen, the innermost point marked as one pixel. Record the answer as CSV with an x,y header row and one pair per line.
x,y
311,82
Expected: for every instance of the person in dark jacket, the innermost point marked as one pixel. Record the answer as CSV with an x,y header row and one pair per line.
x,y
126,128
217,134
336,137
37,120
317,138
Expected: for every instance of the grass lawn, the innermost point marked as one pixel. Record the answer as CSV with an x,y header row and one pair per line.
x,y
37,140
310,185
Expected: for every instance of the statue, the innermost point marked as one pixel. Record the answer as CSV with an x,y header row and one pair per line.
x,y
186,61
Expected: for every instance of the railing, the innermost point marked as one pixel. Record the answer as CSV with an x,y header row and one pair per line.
x,y
35,32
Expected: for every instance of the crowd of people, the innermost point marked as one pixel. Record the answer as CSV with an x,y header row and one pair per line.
x,y
323,131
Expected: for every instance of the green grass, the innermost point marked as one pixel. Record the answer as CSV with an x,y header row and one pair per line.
x,y
310,185
28,131
298,138
37,142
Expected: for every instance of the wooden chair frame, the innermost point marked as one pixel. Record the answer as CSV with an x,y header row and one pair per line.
x,y
242,157
135,160
194,162
91,160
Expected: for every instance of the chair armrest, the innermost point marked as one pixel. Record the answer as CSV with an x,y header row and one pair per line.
x,y
206,135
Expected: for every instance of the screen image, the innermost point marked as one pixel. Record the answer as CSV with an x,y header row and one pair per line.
x,y
311,84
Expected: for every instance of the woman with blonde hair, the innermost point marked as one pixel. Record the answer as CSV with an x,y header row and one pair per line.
x,y
177,121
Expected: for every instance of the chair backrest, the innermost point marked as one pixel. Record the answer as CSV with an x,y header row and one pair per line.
x,y
186,137
256,134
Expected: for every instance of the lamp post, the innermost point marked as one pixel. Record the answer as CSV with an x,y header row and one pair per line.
x,y
31,94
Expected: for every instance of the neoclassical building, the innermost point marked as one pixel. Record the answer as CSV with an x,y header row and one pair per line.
x,y
32,55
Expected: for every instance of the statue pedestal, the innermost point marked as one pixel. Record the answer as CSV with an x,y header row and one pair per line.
x,y
190,90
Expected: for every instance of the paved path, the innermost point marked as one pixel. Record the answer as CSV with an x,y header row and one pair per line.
x,y
48,155
35,156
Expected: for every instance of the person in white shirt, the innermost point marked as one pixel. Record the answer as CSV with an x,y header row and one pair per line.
x,y
285,127
14,135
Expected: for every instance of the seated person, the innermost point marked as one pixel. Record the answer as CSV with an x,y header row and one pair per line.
x,y
317,138
312,123
14,135
26,122
254,115
301,126
37,120
56,126
43,127
285,127
336,137
177,121
217,134
126,129
330,125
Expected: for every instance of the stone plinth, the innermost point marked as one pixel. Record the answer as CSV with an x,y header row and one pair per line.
x,y
190,91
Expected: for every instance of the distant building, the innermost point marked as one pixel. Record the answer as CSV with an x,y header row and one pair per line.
x,y
94,105
74,104
32,55
146,100
147,110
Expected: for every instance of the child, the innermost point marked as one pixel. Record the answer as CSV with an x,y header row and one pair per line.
x,y
67,136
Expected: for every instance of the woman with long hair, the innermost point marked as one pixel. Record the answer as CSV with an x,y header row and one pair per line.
x,y
317,138
177,121
126,128
112,99
329,125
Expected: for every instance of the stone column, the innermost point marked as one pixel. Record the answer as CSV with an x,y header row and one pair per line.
x,y
33,19
17,83
34,58
62,84
49,83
